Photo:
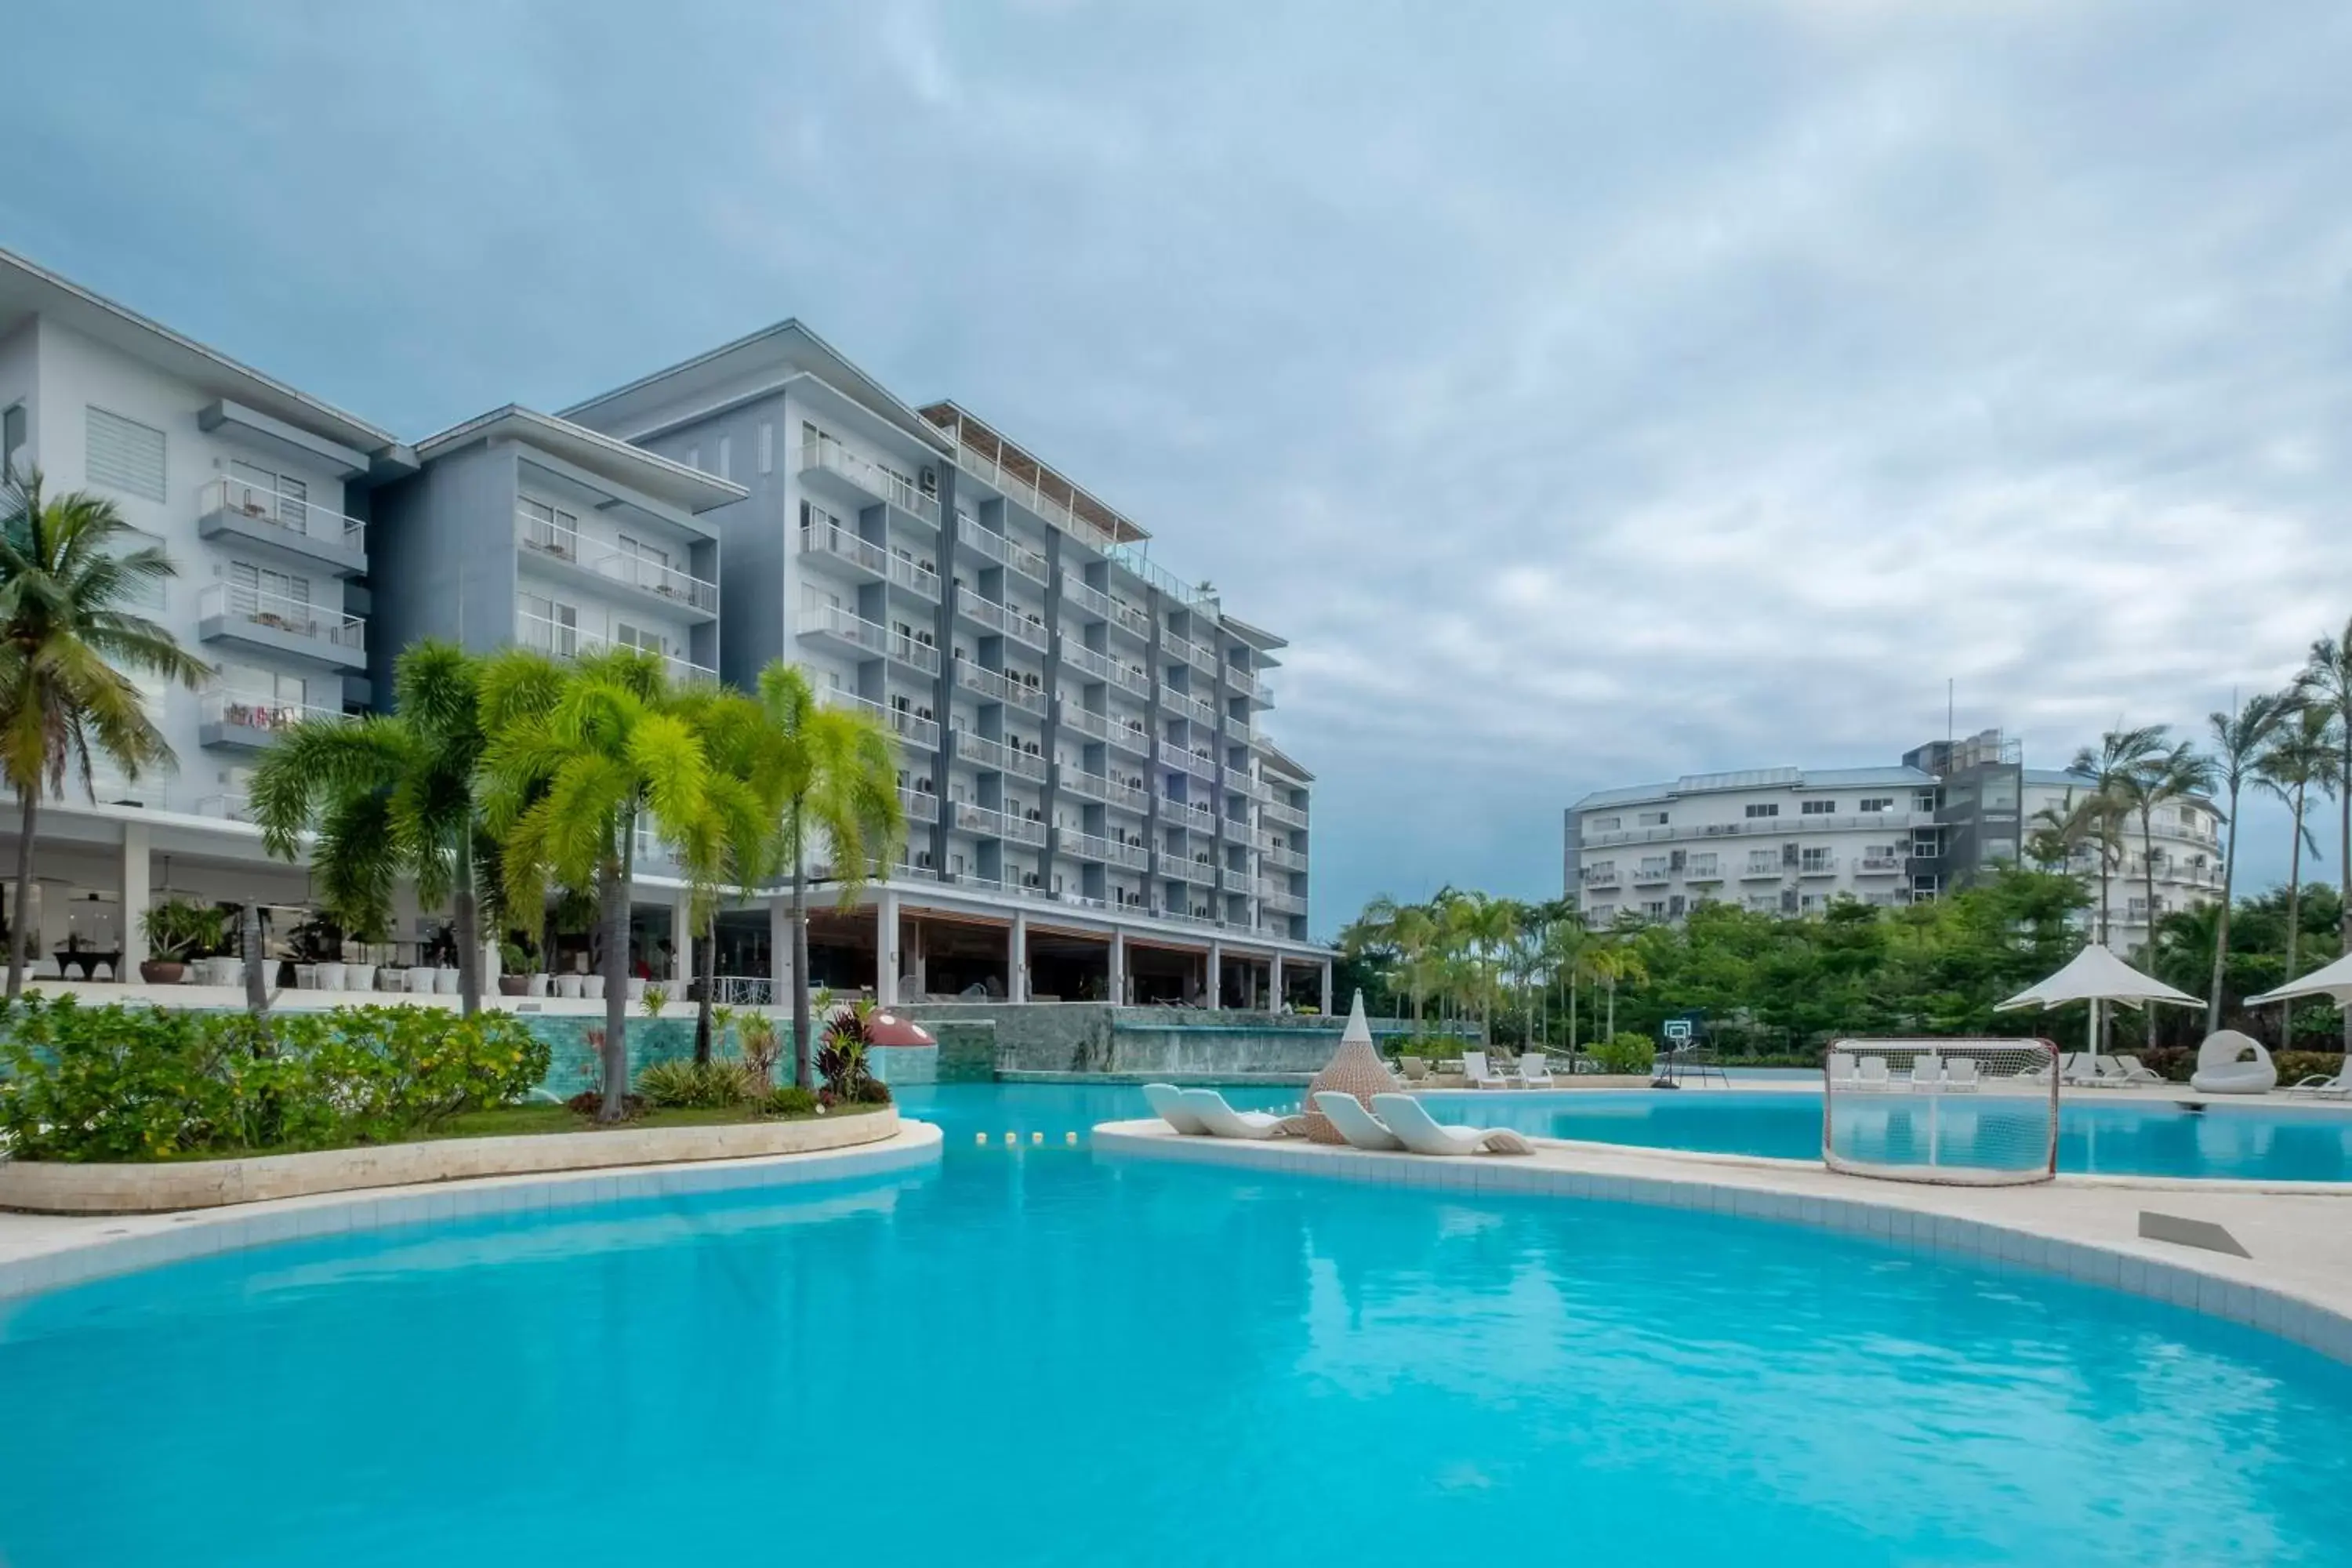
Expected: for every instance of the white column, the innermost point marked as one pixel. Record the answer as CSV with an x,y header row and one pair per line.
x,y
136,894
885,948
1327,987
681,944
1016,962
1118,988
1216,974
780,952
1274,984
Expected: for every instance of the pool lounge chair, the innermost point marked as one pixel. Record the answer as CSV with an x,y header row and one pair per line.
x,y
1841,1073
1167,1102
2320,1086
1474,1069
1870,1072
1407,1118
2081,1070
1360,1127
1223,1121
1415,1067
2125,1069
2224,1068
1534,1071
1960,1076
1927,1073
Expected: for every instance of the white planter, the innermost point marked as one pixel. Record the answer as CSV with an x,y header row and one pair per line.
x,y
592,985
538,987
419,979
306,977
225,970
362,977
445,981
332,976
636,990
568,985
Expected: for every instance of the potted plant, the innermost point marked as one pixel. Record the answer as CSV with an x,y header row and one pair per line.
x,y
514,970
178,930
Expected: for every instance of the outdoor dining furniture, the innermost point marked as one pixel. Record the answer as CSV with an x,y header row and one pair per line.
x,y
88,959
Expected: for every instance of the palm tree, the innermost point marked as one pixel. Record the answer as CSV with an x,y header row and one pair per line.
x,y
838,792
66,641
2300,755
389,796
1486,926
2160,778
2113,770
2238,740
575,759
2326,683
2093,823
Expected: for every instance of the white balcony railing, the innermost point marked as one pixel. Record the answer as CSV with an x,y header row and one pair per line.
x,y
1288,859
883,484
1283,815
1127,734
249,711
293,513
912,574
995,546
655,577
1093,601
987,755
920,804
545,538
1095,786
1241,680
281,613
1004,619
831,539
873,637
989,684
1095,846
561,641
1175,754
232,807
907,724
1241,781
990,823
1192,708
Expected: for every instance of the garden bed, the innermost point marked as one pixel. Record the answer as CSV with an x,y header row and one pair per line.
x,y
513,1140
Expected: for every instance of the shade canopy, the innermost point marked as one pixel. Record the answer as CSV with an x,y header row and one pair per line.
x,y
2096,974
884,1027
2334,983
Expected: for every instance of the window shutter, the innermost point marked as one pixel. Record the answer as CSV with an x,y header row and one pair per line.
x,y
125,455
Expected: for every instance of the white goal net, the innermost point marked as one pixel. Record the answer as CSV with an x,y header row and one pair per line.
x,y
1969,1112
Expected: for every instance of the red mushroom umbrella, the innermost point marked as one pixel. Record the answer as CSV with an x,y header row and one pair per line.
x,y
884,1027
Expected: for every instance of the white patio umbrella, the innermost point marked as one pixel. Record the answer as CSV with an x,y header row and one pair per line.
x,y
2097,976
2334,981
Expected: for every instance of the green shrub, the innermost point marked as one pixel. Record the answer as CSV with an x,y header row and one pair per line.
x,y
789,1101
688,1084
1627,1053
145,1083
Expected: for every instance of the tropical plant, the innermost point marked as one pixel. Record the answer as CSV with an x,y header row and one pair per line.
x,y
838,791
2299,757
2326,683
388,797
2169,773
842,1058
178,930
689,1085
70,643
2114,770
761,1045
575,758
2239,737
736,839
655,999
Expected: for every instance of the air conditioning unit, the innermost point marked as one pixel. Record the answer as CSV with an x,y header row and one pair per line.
x,y
930,480
1029,880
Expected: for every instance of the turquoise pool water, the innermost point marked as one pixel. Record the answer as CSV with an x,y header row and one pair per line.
x,y
1031,1357
2107,1137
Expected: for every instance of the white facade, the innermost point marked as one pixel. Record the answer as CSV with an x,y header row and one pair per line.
x,y
1792,841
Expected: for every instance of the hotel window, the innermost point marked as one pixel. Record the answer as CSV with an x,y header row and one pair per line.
x,y
644,638
694,457
258,590
1762,860
727,457
1650,819
548,626
1604,824
1817,861
1818,808
767,447
1770,808
124,454
1877,802
550,528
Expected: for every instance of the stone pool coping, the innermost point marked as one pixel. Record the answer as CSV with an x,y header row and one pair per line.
x,y
53,1187
2297,1283
45,1252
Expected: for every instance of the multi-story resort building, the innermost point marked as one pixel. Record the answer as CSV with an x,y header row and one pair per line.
x,y
1094,806
1793,840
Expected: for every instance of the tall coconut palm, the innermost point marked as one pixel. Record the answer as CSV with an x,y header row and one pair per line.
x,y
2112,769
736,841
2174,772
2238,738
2326,683
388,796
575,760
67,645
2300,757
839,798
2090,822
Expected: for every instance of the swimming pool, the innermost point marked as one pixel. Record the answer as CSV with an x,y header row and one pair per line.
x,y
1029,1357
2102,1137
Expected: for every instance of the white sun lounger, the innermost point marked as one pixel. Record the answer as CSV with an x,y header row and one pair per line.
x,y
1422,1134
1481,1076
2125,1069
1167,1102
1870,1072
1841,1073
1360,1127
1960,1074
1534,1071
1927,1073
1223,1121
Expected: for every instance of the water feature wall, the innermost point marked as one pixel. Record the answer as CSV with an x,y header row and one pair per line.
x,y
1095,1039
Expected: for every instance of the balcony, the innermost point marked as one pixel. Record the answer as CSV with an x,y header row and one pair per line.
x,y
990,545
1192,814
228,807
681,591
904,722
1762,871
1244,681
1192,708
832,623
1284,860
1597,877
994,686
1818,865
1182,650
1233,881
1101,667
915,576
560,639
1244,782
1283,815
1286,900
1702,871
830,541
251,620
236,721
1095,846
1128,735
284,523
1878,866
1026,492
561,554
990,823
1092,601
994,756
1238,729
844,473
989,615
1652,876
1095,786
1199,873
1174,754
920,804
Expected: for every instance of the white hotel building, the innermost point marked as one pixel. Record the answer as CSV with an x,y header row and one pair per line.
x,y
1095,807
1795,840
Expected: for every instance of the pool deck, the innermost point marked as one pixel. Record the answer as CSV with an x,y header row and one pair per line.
x,y
2070,1094
2297,1281
47,1251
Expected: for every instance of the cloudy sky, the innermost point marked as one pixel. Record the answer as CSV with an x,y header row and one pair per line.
x,y
1592,393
